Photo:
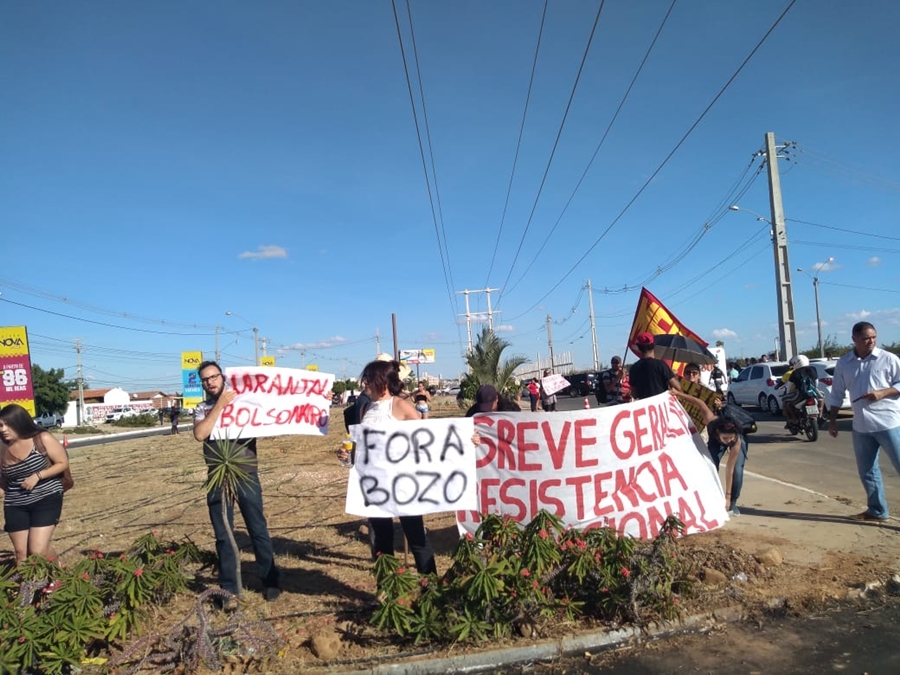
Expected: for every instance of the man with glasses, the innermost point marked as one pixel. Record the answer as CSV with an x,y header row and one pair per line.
x,y
872,377
249,492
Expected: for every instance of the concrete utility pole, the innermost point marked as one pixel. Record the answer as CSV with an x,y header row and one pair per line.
x,y
377,342
550,342
787,327
218,356
265,344
79,409
593,326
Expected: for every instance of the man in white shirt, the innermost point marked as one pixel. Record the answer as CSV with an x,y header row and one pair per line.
x,y
872,376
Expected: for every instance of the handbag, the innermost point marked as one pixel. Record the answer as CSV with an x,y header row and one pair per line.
x,y
67,481
739,416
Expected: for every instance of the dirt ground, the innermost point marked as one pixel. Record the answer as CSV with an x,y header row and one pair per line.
x,y
125,489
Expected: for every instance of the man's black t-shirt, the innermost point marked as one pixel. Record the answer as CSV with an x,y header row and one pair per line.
x,y
649,377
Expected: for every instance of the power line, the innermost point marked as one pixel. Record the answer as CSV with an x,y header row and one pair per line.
x,y
562,125
444,262
861,288
599,145
842,229
512,174
666,159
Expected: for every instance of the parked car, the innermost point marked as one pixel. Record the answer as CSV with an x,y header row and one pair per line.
x,y
581,384
453,391
49,420
825,372
755,385
120,412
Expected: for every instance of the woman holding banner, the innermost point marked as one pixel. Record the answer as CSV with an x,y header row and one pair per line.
x,y
725,435
382,383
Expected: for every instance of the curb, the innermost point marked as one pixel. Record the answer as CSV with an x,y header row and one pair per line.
x,y
549,650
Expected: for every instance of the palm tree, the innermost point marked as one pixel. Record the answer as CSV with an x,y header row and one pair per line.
x,y
485,365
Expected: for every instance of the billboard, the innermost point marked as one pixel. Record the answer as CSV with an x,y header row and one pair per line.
x,y
191,389
268,361
417,356
15,366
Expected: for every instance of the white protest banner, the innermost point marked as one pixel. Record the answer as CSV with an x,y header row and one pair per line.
x,y
274,401
627,467
412,467
554,383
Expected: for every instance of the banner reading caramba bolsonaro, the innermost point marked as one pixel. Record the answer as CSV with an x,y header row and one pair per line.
x,y
412,467
274,401
627,467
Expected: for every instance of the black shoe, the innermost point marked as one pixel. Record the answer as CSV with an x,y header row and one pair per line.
x,y
271,593
224,604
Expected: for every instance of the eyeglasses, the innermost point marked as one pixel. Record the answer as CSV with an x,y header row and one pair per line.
x,y
207,380
691,373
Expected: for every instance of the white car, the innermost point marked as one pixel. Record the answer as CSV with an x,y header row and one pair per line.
x,y
120,412
825,378
755,385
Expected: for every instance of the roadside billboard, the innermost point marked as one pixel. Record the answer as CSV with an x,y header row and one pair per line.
x,y
15,365
192,391
417,356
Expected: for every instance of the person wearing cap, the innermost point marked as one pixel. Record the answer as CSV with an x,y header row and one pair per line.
x,y
548,401
612,385
487,400
650,376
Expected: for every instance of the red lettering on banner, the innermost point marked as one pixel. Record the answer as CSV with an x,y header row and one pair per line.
x,y
686,515
261,383
557,450
600,494
507,498
687,425
506,434
578,482
582,441
236,416
654,415
656,519
638,519
481,462
524,446
614,436
670,473
485,502
640,432
708,524
547,500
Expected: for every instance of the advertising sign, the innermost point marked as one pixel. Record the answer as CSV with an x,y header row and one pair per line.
x,y
268,361
191,389
15,366
417,356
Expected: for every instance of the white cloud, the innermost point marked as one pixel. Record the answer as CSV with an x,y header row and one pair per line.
x,y
722,333
874,261
505,328
321,344
432,337
859,316
750,286
265,252
826,266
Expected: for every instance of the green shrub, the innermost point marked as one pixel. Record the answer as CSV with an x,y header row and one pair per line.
x,y
142,420
507,578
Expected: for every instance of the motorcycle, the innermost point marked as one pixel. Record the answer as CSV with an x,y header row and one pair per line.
x,y
807,417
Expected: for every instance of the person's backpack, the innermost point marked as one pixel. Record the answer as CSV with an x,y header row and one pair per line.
x,y
604,396
739,416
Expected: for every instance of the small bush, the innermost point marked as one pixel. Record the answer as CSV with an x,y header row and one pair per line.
x,y
507,578
143,420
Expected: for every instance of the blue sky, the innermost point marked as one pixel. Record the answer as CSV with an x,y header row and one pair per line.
x,y
165,163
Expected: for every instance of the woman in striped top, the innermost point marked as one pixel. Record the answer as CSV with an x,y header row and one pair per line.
x,y
32,464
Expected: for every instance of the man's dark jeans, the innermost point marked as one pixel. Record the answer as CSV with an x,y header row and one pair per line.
x,y
717,450
249,499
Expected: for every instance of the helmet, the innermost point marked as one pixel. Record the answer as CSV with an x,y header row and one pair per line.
x,y
792,361
801,361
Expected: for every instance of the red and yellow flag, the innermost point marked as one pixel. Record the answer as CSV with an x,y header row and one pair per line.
x,y
651,316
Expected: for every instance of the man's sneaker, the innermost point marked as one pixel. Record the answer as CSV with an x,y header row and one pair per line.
x,y
271,593
734,511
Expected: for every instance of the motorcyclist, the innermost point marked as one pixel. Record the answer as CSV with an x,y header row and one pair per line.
x,y
796,380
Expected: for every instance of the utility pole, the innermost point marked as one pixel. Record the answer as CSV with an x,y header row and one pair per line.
x,y
377,342
593,326
550,342
787,327
265,344
79,409
468,314
218,356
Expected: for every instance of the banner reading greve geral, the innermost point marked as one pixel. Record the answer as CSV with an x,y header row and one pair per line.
x,y
627,467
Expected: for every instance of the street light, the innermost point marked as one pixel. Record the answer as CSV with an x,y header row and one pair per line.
x,y
255,333
787,327
818,268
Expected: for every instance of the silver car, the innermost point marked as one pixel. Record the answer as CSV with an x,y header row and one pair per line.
x,y
755,385
824,380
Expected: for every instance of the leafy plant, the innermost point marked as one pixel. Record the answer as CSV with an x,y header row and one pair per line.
x,y
228,472
506,578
